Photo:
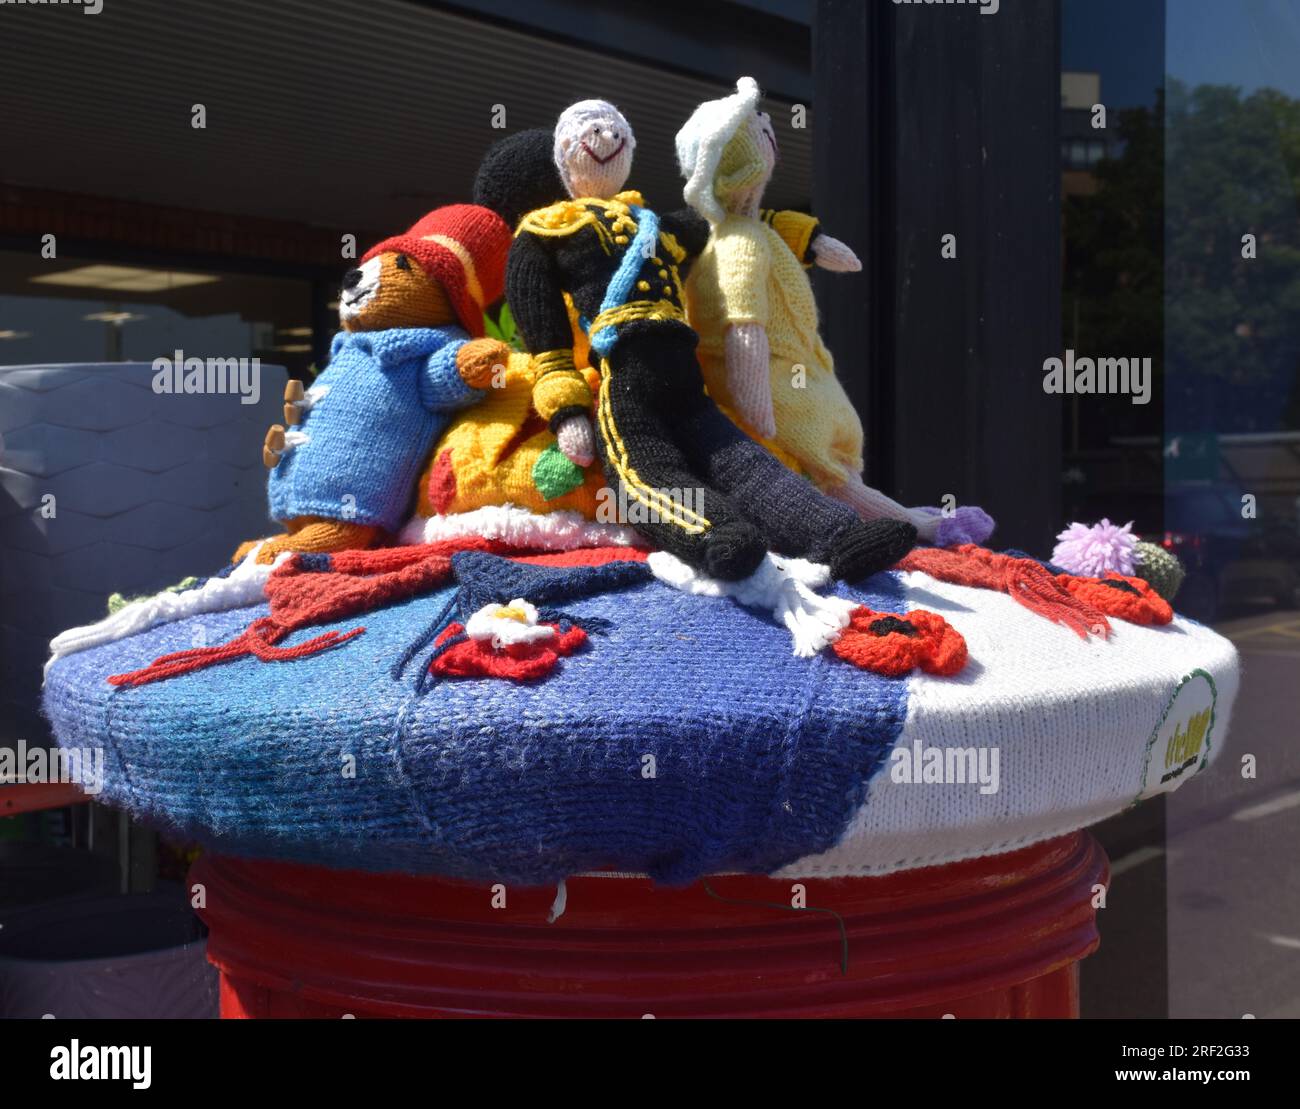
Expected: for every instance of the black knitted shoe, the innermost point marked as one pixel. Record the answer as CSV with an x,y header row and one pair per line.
x,y
733,551
861,548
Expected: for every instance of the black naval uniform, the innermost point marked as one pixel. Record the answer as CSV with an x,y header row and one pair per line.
x,y
705,491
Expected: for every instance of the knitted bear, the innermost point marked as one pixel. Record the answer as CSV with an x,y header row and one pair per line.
x,y
702,489
749,299
410,353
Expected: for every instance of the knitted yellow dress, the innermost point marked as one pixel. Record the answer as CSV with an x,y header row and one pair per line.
x,y
748,274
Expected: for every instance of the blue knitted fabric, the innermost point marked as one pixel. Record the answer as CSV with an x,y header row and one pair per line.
x,y
685,739
377,409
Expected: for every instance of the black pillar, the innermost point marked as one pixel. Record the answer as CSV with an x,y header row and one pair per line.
x,y
934,120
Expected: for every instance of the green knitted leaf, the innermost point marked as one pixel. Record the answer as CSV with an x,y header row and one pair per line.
x,y
554,475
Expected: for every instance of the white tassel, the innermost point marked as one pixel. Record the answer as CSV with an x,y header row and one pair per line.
x,y
241,587
782,586
559,904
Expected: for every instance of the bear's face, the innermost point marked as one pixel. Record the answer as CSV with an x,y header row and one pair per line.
x,y
392,290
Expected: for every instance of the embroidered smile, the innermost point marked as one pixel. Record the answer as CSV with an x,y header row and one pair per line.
x,y
612,154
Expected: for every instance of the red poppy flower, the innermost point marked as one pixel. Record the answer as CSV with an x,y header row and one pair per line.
x,y
519,662
1130,599
893,645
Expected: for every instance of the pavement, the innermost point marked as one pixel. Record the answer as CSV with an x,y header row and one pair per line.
x,y
1230,853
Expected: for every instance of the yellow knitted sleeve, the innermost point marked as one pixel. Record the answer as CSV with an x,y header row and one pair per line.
x,y
743,267
796,230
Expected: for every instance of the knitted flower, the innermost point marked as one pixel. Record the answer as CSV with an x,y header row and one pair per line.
x,y
508,625
1129,598
894,645
504,641
1100,549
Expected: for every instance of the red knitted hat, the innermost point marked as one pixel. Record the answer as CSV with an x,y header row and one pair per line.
x,y
463,247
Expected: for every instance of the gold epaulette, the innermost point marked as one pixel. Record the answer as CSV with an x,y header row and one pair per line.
x,y
562,218
567,216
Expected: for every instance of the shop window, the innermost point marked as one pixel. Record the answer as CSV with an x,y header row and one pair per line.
x,y
87,310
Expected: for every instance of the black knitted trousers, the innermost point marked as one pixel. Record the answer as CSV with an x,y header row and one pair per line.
x,y
694,484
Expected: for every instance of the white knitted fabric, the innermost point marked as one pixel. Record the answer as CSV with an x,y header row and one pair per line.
x,y
240,588
782,587
563,530
703,138
1072,721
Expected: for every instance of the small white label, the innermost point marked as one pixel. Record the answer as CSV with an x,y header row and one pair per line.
x,y
1180,744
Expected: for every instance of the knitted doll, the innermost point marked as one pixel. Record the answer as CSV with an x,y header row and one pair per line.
x,y
750,301
706,492
345,470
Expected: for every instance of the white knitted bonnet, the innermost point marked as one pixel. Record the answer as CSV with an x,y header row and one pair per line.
x,y
703,138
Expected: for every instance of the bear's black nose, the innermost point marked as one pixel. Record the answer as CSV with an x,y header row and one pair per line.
x,y
352,278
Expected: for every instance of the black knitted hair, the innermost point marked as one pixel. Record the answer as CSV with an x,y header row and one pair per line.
x,y
518,174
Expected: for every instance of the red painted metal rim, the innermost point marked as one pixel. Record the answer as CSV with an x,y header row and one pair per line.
x,y
398,945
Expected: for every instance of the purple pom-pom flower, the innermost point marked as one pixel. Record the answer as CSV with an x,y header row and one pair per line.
x,y
1097,549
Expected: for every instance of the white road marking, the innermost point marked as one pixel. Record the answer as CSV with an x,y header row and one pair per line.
x,y
1268,808
1135,858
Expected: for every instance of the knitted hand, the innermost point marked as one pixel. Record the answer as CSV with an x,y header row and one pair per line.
x,y
966,524
831,254
478,360
749,378
575,441
310,535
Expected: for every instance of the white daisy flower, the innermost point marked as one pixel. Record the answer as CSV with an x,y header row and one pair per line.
x,y
506,625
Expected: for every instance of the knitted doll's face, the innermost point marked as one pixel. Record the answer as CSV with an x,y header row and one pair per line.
x,y
746,165
392,290
595,154
764,135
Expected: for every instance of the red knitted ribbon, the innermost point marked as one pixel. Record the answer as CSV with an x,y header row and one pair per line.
x,y
301,595
584,556
1022,578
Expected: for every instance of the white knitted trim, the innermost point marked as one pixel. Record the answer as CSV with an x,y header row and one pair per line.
x,y
703,138
782,586
564,530
240,588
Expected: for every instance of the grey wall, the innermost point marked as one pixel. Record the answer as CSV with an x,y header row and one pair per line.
x,y
147,489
